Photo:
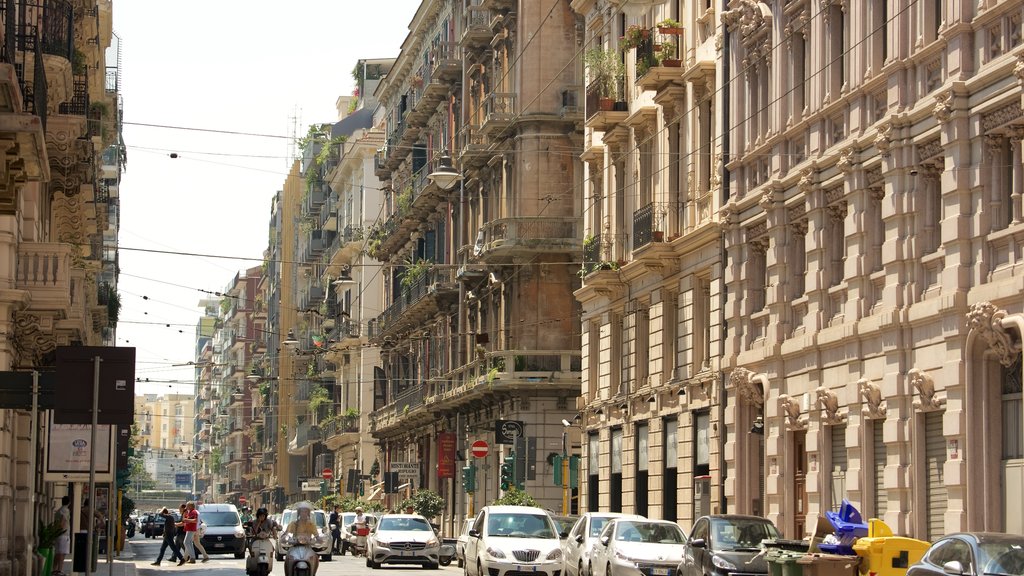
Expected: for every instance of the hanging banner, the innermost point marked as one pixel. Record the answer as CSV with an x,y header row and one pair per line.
x,y
446,455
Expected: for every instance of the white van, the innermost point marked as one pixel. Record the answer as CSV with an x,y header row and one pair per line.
x,y
224,532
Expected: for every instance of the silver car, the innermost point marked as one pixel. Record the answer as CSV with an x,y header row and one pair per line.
x,y
460,542
578,547
629,547
403,539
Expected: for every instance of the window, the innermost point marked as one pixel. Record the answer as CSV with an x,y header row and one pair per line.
x,y
616,476
702,444
593,471
670,477
641,489
837,31
668,336
757,273
702,324
950,550
931,211
1011,403
836,234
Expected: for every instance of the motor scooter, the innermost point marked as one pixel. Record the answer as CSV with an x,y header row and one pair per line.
x,y
300,560
261,553
358,546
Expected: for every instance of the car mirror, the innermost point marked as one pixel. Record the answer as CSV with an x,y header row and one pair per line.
x,y
605,540
474,534
563,535
698,543
579,539
953,567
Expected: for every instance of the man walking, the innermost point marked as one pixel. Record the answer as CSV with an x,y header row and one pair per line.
x,y
179,536
63,545
197,536
190,521
335,523
169,529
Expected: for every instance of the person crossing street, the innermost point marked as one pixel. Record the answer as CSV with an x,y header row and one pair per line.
x,y
169,534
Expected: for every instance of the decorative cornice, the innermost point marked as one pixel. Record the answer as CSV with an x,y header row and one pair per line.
x,y
1000,116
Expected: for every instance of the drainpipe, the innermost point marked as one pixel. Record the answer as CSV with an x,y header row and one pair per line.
x,y
723,263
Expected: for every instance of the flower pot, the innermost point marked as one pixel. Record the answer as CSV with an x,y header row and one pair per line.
x,y
47,554
605,104
658,236
671,63
670,30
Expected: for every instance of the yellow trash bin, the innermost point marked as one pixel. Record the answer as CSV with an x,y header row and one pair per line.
x,y
887,555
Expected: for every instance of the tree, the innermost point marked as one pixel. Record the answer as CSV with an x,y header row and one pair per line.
x,y
515,497
426,503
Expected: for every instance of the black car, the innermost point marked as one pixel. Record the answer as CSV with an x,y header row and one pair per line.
x,y
722,544
973,553
152,526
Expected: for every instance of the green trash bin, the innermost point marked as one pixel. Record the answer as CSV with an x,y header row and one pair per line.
x,y
829,564
783,562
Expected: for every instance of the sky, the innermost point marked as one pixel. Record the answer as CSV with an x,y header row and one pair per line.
x,y
254,66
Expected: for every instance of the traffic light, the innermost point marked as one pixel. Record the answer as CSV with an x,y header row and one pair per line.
x,y
508,472
574,471
556,463
469,478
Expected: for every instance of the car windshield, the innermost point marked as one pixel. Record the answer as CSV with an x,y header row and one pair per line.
x,y
320,518
220,518
740,533
403,524
596,525
347,519
520,525
1001,556
648,532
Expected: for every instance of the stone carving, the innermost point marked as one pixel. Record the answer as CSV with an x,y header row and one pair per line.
x,y
829,402
767,199
988,321
883,140
927,400
31,344
742,380
929,150
797,211
846,160
755,231
837,211
943,105
728,215
806,180
789,407
1001,116
871,393
1018,68
834,195
874,175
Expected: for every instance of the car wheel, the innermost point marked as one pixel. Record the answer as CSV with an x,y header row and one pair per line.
x,y
240,554
431,566
608,569
368,563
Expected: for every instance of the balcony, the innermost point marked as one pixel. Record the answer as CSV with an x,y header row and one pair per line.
x,y
44,269
499,112
446,66
418,301
474,149
343,249
470,268
79,103
602,113
649,224
658,64
506,238
477,32
298,443
339,433
401,405
499,4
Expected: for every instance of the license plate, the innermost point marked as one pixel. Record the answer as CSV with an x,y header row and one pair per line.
x,y
220,545
661,571
526,568
406,553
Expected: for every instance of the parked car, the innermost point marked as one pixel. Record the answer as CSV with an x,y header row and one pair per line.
x,y
403,539
224,532
629,546
152,525
721,544
564,523
460,542
577,548
321,544
973,553
512,540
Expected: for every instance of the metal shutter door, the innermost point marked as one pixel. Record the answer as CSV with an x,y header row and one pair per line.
x,y
935,458
838,466
878,462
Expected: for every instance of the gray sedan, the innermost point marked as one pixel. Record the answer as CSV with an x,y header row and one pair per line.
x,y
630,547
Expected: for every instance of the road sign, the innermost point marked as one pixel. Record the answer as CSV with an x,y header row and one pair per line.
x,y
308,486
241,500
327,473
479,449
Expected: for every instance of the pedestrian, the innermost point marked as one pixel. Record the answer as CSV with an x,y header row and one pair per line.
x,y
190,521
169,530
62,547
335,523
179,535
197,537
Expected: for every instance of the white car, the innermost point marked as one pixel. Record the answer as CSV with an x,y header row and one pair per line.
x,y
403,539
630,547
513,540
578,547
460,542
321,544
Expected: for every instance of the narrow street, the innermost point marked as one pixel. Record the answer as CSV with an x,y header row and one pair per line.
x,y
145,551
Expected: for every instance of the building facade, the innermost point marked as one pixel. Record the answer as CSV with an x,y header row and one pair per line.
x,y
479,322
872,240
652,269
60,130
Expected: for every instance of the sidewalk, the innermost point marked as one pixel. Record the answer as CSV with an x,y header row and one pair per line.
x,y
123,565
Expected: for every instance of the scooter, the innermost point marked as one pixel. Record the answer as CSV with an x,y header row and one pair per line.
x,y
261,554
129,527
358,546
446,554
300,560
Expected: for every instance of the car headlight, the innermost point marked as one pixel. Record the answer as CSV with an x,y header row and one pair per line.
x,y
382,543
622,556
495,553
239,532
554,554
722,563
432,542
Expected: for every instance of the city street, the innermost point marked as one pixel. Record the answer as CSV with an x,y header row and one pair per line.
x,y
145,551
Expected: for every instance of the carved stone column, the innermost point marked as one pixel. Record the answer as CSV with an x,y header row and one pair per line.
x,y
1016,134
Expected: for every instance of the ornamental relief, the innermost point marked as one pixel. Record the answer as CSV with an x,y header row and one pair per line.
x,y
828,400
985,319
873,407
789,408
928,400
33,346
742,380
1001,116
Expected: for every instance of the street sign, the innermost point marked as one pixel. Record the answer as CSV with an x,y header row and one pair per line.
x,y
506,431
479,449
75,375
241,500
327,473
310,486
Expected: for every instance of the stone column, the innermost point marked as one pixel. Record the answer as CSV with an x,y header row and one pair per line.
x,y
1016,134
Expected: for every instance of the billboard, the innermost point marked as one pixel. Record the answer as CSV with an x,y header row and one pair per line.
x,y
68,452
183,480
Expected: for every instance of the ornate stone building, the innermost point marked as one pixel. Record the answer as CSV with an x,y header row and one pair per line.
x,y
873,245
60,132
652,274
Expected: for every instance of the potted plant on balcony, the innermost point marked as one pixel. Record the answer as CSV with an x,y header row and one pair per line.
x,y
635,34
667,55
605,70
670,26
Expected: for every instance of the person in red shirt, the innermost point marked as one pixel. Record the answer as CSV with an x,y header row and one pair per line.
x,y
190,521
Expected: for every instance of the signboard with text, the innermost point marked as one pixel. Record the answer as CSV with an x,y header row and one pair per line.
x,y
406,470
446,455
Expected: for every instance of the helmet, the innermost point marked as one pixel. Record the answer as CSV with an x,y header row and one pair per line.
x,y
261,512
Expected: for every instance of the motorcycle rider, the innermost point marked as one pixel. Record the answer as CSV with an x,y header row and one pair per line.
x,y
303,525
359,524
262,529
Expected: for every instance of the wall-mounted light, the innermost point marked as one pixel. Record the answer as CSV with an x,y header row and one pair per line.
x,y
758,427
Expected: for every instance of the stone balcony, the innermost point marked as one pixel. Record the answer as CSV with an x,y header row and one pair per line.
x,y
44,270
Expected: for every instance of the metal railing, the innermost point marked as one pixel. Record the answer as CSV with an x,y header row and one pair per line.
x,y
79,104
413,292
648,222
526,232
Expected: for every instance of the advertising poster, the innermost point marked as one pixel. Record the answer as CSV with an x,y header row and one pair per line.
x,y
68,452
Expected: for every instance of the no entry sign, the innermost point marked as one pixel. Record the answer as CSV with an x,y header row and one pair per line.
x,y
479,449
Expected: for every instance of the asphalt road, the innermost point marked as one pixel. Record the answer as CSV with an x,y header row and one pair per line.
x,y
145,551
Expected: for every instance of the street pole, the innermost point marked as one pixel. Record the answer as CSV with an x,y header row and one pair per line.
x,y
565,472
89,527
32,459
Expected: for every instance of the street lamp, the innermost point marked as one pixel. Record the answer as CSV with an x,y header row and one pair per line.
x,y
290,339
445,176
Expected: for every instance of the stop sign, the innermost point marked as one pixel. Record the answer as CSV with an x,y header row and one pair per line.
x,y
327,474
479,449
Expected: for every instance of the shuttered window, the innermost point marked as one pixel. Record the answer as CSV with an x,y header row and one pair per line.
x,y
1012,428
839,465
878,456
934,459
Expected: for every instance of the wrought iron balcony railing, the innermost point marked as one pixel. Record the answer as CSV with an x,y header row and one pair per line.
x,y
649,224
